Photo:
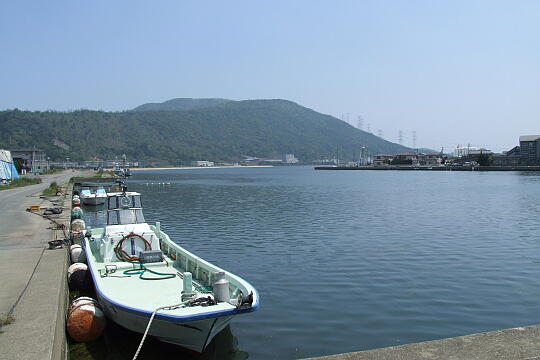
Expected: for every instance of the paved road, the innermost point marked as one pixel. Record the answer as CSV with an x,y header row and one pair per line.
x,y
18,228
31,277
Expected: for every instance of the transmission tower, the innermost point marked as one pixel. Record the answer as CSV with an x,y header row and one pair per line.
x,y
379,133
400,137
360,123
414,139
368,127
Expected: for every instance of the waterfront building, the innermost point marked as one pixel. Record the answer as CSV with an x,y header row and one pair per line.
x,y
290,159
527,153
529,149
382,159
31,160
202,163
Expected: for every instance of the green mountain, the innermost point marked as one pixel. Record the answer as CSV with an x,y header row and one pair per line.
x,y
181,104
224,132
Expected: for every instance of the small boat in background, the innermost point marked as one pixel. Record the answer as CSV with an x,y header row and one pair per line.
x,y
97,197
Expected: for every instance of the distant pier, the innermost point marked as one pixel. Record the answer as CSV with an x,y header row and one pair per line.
x,y
432,168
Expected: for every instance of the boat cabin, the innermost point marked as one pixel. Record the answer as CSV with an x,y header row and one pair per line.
x,y
126,228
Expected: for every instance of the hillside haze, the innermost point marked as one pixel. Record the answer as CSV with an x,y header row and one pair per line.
x,y
226,131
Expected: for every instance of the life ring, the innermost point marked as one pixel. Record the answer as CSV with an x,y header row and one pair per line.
x,y
122,255
125,202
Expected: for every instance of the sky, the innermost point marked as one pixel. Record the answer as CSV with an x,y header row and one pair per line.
x,y
456,72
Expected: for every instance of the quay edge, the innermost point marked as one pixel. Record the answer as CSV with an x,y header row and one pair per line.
x,y
34,282
431,168
507,344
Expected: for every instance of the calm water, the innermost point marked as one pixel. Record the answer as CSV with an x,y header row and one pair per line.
x,y
353,260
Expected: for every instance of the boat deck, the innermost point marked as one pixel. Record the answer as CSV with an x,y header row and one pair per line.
x,y
131,292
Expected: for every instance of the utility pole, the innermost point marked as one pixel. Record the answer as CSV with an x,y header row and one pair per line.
x,y
400,137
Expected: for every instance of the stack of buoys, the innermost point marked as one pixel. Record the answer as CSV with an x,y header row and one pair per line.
x,y
77,254
85,319
76,200
78,278
76,213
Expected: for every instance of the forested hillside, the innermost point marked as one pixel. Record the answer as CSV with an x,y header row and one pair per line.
x,y
225,132
181,104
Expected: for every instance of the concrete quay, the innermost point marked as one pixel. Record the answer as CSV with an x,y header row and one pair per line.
x,y
521,343
33,277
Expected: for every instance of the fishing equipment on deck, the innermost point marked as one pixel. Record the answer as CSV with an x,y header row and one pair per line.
x,y
221,288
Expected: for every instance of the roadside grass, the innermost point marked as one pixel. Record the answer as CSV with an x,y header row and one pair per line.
x,y
53,170
6,320
52,190
20,182
104,174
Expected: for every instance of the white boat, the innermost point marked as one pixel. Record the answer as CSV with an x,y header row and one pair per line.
x,y
98,197
148,284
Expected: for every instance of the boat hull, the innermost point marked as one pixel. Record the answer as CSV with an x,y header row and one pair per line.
x,y
194,336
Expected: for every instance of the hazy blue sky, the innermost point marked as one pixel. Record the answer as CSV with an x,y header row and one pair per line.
x,y
455,71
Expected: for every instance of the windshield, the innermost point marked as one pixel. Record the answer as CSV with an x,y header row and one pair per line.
x,y
86,192
101,191
125,216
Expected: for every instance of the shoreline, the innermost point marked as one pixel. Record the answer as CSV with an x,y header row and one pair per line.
x,y
200,167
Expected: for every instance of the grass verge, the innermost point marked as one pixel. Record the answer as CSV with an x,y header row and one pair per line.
x,y
20,182
6,320
52,190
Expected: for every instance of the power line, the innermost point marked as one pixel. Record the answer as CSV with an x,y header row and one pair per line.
x,y
360,123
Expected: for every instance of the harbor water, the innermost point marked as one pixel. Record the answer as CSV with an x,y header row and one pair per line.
x,y
354,260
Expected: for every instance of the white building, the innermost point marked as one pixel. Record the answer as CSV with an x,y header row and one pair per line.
x,y
290,159
202,163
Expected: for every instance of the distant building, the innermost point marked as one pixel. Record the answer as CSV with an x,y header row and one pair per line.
x,y
31,160
202,163
527,153
529,149
430,159
382,159
290,159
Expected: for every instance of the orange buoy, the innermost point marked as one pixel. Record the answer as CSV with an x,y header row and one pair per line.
x,y
76,202
85,319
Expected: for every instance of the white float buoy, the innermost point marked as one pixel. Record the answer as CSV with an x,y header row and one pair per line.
x,y
78,225
77,276
85,319
77,254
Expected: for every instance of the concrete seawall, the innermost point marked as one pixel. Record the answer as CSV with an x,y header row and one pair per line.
x,y
431,168
512,344
33,278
